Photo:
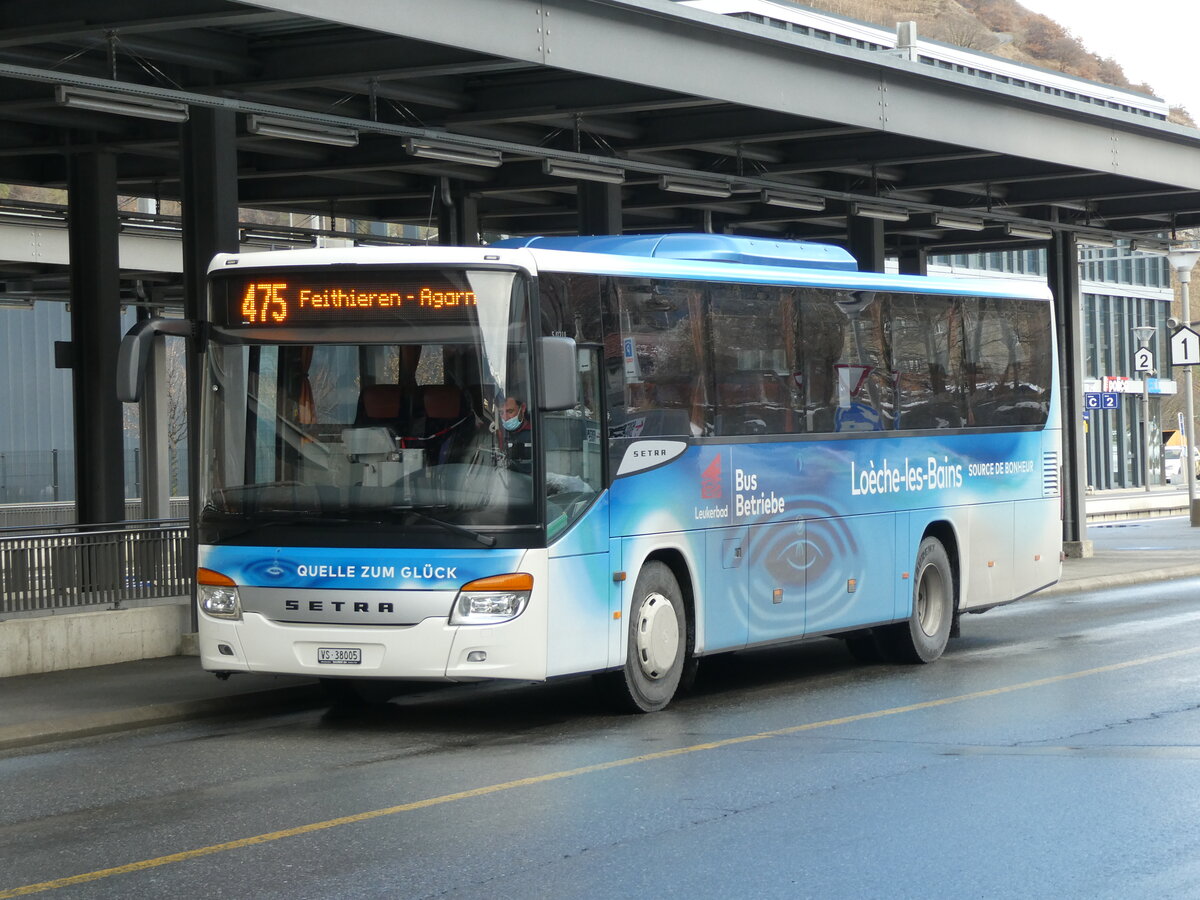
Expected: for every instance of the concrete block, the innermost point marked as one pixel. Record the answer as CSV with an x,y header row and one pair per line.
x,y
98,638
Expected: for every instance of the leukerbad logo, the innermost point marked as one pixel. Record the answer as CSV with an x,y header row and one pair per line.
x,y
710,480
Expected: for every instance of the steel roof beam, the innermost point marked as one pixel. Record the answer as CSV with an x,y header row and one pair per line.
x,y
64,20
675,48
306,62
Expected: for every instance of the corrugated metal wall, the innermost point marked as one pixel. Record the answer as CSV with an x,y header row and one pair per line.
x,y
35,405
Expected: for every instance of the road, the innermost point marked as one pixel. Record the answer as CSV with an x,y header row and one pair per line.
x,y
1054,752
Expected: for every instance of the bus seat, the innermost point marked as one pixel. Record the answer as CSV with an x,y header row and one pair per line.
x,y
441,401
931,414
381,404
749,402
448,421
667,422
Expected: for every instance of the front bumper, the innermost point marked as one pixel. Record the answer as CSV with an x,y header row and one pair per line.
x,y
431,650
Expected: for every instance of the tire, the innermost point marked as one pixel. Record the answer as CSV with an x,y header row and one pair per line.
x,y
659,644
922,639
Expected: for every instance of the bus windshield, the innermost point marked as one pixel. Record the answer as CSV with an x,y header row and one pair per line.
x,y
393,422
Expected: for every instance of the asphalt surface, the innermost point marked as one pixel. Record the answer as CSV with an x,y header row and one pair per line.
x,y
44,708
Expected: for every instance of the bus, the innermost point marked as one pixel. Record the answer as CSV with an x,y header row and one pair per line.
x,y
612,455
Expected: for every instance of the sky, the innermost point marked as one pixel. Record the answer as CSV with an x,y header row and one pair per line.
x,y
1155,41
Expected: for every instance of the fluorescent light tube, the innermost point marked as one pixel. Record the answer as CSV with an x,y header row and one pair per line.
x,y
472,156
295,130
699,188
1028,231
582,171
884,213
119,104
792,201
962,223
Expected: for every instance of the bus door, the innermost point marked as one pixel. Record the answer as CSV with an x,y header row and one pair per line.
x,y
577,523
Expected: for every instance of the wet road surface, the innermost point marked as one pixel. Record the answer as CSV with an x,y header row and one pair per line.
x,y
1054,751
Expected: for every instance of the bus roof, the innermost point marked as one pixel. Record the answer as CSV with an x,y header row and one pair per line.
x,y
723,248
705,257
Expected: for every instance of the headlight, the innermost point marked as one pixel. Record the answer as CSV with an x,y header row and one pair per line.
x,y
217,595
488,601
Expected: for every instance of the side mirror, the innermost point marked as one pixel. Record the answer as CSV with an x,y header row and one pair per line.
x,y
135,353
560,375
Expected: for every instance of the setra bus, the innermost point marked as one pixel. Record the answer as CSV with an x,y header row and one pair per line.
x,y
609,455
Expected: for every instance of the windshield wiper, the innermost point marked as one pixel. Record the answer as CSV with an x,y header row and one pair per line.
x,y
248,526
315,519
486,539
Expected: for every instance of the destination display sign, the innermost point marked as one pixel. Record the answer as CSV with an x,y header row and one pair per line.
x,y
290,298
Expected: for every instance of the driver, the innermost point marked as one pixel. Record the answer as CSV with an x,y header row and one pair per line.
x,y
517,436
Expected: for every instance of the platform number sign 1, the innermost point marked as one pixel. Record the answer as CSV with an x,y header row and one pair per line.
x,y
1185,347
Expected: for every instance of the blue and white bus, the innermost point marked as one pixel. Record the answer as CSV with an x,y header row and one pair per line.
x,y
718,443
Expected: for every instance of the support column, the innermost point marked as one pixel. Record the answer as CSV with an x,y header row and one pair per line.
x,y
914,261
866,242
95,337
154,415
458,217
210,226
599,208
468,220
1062,264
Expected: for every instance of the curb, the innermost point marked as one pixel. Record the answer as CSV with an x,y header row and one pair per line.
x,y
1102,582
34,733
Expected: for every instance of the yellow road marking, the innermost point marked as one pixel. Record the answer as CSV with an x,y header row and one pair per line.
x,y
184,855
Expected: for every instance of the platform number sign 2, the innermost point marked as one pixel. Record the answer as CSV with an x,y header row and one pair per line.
x,y
1143,360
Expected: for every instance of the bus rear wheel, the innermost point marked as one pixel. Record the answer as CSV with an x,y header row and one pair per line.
x,y
922,639
657,649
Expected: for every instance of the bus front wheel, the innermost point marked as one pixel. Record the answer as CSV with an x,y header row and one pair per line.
x,y
922,639
657,650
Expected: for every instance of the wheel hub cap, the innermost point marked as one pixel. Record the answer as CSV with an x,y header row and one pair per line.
x,y
931,596
657,635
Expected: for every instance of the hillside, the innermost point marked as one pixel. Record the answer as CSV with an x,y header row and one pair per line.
x,y
1001,27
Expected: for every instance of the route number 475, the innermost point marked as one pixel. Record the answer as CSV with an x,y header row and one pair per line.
x,y
262,300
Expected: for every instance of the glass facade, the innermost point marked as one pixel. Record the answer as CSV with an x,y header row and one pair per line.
x,y
1122,289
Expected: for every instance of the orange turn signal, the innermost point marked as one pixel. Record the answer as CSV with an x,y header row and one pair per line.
x,y
517,581
216,579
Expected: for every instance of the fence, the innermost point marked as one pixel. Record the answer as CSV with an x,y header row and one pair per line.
x,y
36,476
81,566
48,476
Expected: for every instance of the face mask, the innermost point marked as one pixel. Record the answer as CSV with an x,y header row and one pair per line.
x,y
512,424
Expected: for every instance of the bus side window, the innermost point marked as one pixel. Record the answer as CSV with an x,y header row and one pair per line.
x,y
926,358
661,340
821,330
754,359
859,384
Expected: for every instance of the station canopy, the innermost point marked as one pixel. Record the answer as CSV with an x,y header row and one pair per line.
x,y
384,112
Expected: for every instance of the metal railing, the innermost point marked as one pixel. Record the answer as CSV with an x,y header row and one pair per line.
x,y
82,566
41,515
